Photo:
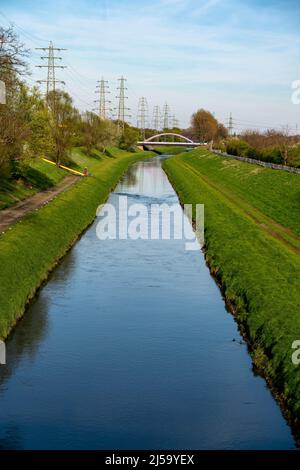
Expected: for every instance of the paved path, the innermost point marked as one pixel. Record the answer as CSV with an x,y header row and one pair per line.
x,y
13,214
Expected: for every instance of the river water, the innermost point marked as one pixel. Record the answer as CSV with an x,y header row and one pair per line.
x,y
129,346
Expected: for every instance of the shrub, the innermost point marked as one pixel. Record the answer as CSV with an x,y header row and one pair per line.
x,y
238,148
272,155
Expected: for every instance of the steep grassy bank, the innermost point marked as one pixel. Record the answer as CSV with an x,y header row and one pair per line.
x,y
33,246
38,176
256,264
167,150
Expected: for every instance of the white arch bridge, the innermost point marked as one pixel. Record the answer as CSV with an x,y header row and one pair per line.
x,y
154,141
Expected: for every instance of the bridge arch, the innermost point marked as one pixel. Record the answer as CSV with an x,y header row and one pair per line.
x,y
168,134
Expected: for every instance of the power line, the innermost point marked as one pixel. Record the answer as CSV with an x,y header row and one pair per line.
x,y
29,35
51,66
244,123
76,81
82,77
71,92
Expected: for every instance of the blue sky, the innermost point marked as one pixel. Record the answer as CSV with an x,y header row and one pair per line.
x,y
237,56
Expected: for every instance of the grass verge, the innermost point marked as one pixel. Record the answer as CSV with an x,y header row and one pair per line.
x,y
247,214
37,176
33,246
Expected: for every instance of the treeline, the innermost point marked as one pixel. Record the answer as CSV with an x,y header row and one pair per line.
x,y
206,128
32,126
271,146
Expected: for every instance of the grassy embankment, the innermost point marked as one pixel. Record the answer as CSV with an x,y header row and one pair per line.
x,y
32,247
38,176
167,150
252,245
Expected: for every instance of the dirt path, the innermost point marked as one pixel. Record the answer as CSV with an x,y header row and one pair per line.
x,y
13,214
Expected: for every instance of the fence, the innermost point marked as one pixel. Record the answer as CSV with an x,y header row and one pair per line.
x,y
274,166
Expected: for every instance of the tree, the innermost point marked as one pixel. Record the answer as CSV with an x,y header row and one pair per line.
x,y
222,132
284,144
90,128
12,57
129,137
204,125
271,141
13,129
64,120
107,134
40,141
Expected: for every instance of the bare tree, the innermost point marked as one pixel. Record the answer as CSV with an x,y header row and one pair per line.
x,y
13,56
205,126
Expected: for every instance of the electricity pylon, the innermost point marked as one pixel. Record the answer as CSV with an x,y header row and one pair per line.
x,y
230,125
175,122
156,118
166,116
122,110
103,89
51,81
142,118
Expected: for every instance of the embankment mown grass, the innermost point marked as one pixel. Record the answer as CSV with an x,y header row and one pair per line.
x,y
276,193
258,269
38,176
32,247
168,150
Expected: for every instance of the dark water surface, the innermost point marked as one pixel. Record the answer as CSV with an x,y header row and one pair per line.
x,y
129,345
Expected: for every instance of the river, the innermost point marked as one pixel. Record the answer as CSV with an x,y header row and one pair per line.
x,y
129,346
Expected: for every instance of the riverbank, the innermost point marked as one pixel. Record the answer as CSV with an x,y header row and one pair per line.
x,y
252,229
31,248
38,176
12,214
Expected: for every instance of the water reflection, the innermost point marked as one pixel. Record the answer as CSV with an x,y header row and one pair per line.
x,y
148,180
25,339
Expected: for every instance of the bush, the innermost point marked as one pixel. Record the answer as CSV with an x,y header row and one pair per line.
x,y
251,152
272,155
241,148
238,148
295,156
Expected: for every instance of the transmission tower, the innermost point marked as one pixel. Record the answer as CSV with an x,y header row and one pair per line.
x,y
175,122
122,110
230,125
156,118
51,81
103,89
142,118
166,116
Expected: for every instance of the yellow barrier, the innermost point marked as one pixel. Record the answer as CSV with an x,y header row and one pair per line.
x,y
64,167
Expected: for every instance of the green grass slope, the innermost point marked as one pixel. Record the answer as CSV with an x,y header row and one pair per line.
x,y
38,176
257,267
